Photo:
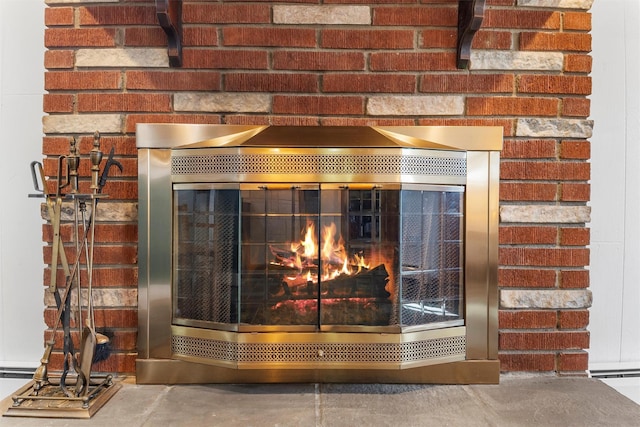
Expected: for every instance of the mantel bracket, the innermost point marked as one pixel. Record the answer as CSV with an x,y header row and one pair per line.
x,y
470,16
169,14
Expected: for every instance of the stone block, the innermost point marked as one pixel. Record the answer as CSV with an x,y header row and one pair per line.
x,y
545,299
222,102
545,214
133,57
554,128
507,60
415,105
565,4
87,123
322,15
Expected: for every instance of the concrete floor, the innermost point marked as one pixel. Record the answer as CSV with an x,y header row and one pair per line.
x,y
517,401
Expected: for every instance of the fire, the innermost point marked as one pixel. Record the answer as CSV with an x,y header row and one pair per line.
x,y
333,256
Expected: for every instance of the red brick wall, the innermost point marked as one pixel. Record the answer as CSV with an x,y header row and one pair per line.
x,y
260,72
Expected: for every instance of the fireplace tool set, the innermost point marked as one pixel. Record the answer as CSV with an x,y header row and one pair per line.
x,y
76,393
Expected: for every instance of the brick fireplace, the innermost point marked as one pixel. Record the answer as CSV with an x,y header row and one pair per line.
x,y
108,69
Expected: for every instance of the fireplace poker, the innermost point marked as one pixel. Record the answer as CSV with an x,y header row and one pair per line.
x,y
95,346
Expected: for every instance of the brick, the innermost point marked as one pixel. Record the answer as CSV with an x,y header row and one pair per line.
x,y
122,144
79,37
58,16
173,80
576,63
467,83
333,105
271,82
579,150
57,103
423,16
541,41
409,61
518,277
200,36
439,38
527,319
575,192
573,361
117,15
246,119
145,36
232,59
118,362
528,149
576,107
122,276
102,102
543,340
521,19
58,59
573,319
199,13
544,170
548,257
512,191
577,21
372,83
527,235
491,39
547,84
281,37
359,121
574,279
82,80
574,236
309,60
509,106
366,39
531,362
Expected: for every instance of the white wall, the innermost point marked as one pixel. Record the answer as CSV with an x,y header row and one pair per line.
x,y
21,264
615,185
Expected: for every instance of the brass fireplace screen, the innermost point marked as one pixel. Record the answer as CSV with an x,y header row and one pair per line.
x,y
317,254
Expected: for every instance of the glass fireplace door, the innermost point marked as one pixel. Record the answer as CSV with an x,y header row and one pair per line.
x,y
352,257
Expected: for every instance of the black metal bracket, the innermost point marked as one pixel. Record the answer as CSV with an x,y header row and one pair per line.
x,y
470,16
169,14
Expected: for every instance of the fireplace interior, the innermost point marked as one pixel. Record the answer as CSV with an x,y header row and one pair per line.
x,y
289,254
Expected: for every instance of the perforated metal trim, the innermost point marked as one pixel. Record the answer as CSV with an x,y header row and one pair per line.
x,y
317,164
319,352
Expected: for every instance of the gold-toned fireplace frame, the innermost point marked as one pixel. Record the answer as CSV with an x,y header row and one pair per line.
x,y
158,338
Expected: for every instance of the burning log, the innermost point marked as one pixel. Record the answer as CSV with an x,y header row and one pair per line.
x,y
365,284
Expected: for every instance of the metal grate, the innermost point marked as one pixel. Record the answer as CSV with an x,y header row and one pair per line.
x,y
319,352
317,164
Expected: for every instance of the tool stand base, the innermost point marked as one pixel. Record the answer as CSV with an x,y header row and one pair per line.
x,y
51,402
